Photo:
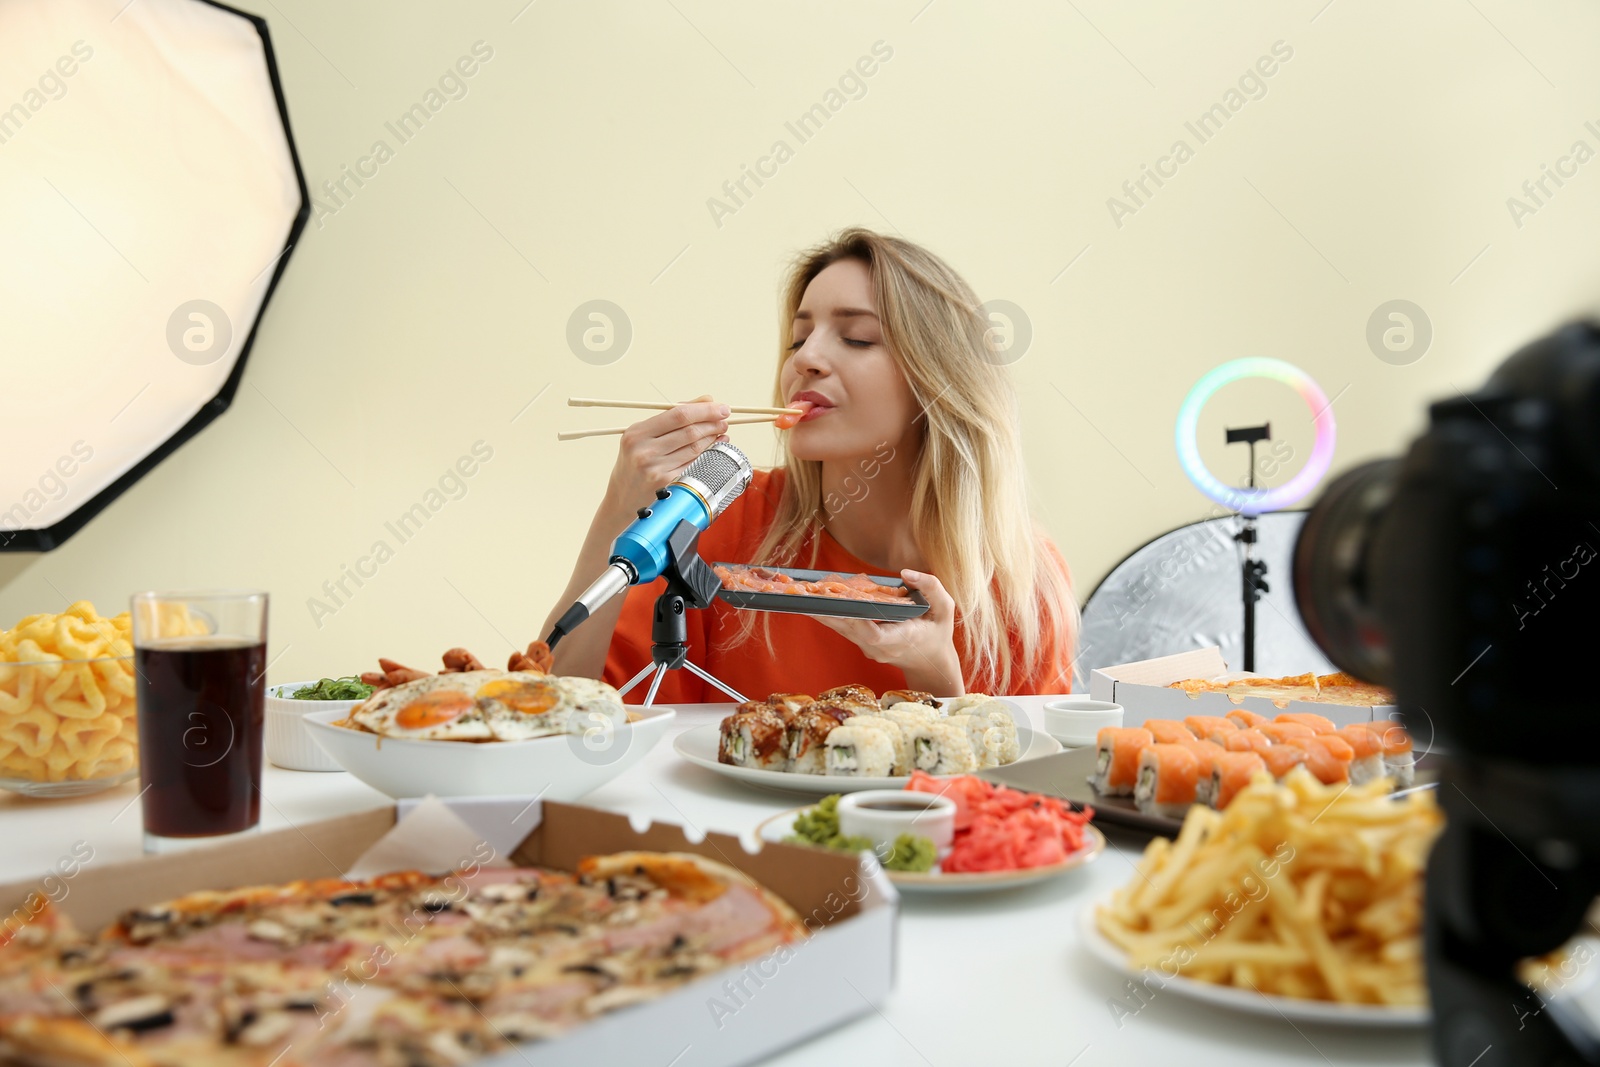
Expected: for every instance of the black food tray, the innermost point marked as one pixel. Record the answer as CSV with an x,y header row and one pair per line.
x,y
837,607
1066,775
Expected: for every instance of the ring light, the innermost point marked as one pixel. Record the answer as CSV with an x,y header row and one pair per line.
x,y
1255,501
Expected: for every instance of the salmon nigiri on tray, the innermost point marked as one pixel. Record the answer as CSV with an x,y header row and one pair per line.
x,y
811,592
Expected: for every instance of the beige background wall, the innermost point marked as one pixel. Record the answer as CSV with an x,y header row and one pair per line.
x,y
428,310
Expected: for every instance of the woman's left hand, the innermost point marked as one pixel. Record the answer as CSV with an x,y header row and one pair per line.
x,y
924,647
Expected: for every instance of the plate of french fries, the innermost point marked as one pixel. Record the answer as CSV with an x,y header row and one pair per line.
x,y
1299,900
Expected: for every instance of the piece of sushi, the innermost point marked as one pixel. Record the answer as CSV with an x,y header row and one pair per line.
x,y
1280,733
1001,738
1248,740
1367,747
939,747
857,750
1399,760
1328,758
1281,759
899,736
858,694
1317,724
976,728
1231,772
753,738
1210,727
908,696
1247,719
1116,768
908,715
807,735
1168,731
789,704
1169,776
962,704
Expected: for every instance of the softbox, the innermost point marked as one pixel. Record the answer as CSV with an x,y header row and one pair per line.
x,y
149,197
1183,591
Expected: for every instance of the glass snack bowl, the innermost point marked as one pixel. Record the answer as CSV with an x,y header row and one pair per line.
x,y
67,726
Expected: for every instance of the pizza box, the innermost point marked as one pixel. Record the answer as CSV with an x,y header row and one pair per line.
x,y
1141,689
735,1016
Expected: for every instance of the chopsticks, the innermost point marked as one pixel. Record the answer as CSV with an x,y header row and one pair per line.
x,y
662,405
755,414
573,435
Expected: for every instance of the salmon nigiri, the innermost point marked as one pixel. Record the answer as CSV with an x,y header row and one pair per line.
x,y
1328,758
1281,759
1367,751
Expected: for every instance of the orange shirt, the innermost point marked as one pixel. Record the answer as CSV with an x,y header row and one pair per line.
x,y
807,657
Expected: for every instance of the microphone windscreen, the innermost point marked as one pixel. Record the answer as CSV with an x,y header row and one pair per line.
x,y
719,474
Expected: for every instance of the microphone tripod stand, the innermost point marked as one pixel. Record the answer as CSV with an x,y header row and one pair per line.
x,y
691,583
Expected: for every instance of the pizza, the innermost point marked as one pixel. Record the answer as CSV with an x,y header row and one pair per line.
x,y
404,970
1337,688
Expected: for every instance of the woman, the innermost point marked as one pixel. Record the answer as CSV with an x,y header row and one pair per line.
x,y
909,463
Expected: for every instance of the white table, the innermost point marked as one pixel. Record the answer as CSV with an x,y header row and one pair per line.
x,y
997,978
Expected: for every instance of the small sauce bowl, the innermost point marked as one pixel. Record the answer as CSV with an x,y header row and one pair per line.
x,y
1074,721
881,815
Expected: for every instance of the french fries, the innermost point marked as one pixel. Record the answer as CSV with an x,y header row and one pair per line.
x,y
1300,889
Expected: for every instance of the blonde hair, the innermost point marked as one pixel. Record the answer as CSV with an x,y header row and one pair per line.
x,y
969,505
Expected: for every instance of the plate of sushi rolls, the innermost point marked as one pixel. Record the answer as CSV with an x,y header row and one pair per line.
x,y
1148,776
849,739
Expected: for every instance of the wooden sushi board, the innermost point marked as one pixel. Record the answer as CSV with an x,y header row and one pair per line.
x,y
1067,776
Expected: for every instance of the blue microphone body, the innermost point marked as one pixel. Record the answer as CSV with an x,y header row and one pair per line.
x,y
643,552
644,543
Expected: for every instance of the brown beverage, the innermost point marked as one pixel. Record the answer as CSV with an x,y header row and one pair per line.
x,y
201,714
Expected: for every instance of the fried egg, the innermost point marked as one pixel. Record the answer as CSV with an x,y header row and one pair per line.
x,y
491,705
438,708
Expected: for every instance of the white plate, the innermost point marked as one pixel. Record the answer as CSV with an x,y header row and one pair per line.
x,y
699,746
1293,1009
561,767
777,827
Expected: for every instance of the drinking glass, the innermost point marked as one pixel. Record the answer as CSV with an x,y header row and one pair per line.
x,y
200,659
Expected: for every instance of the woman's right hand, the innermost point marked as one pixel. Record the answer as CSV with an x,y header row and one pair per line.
x,y
655,451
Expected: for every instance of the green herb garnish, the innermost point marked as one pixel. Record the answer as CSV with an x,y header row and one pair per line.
x,y
350,688
819,826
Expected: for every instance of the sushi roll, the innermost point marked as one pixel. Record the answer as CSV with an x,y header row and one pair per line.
x,y
850,694
899,736
1210,727
1281,759
789,704
1001,738
1168,778
1116,768
908,696
856,750
1168,731
753,738
942,748
806,736
1286,733
1399,761
1247,719
1328,758
1231,772
909,715
1367,749
963,704
1248,740
1318,724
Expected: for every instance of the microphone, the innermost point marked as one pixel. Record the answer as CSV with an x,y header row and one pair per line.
x,y
642,553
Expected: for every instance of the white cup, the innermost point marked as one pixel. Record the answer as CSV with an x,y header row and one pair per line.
x,y
881,815
1074,721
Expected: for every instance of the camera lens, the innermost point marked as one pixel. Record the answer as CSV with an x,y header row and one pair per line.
x,y
1331,576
